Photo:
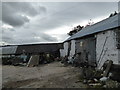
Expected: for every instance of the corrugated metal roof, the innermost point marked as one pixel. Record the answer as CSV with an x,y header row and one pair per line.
x,y
106,24
39,48
31,48
8,50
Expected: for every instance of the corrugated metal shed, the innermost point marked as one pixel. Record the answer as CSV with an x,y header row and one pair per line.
x,y
106,24
31,48
39,48
7,50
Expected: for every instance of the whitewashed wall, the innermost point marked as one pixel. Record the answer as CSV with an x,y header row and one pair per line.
x,y
62,54
72,51
64,51
110,51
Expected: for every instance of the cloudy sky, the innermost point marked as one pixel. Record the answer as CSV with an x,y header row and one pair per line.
x,y
38,22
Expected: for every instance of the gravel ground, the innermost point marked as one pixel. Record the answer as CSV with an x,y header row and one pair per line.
x,y
53,75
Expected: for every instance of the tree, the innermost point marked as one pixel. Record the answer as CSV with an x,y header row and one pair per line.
x,y
75,30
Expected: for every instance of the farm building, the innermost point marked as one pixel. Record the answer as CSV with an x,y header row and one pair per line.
x,y
96,43
39,48
15,52
31,48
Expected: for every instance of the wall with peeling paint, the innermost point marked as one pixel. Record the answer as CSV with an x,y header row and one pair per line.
x,y
106,47
72,51
64,52
86,47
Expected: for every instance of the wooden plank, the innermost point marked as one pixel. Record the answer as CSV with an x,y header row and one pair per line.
x,y
34,60
109,64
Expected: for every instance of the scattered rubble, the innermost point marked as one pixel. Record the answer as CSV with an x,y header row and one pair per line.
x,y
107,77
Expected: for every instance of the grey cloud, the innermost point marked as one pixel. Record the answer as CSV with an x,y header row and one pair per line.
x,y
15,20
12,12
69,13
7,36
42,9
21,7
19,37
49,38
48,16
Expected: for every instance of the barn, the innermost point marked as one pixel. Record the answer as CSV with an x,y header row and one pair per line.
x,y
96,43
21,53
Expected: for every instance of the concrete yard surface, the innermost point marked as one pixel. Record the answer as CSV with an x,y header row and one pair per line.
x,y
53,75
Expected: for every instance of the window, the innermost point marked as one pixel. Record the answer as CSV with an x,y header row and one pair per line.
x,y
81,44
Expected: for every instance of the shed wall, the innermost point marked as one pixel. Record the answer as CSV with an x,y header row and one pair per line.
x,y
39,48
62,54
72,51
64,51
106,47
86,48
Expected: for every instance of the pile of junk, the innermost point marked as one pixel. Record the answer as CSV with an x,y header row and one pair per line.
x,y
108,76
28,60
105,77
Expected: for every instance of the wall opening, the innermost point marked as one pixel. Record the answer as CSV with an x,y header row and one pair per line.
x,y
118,38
